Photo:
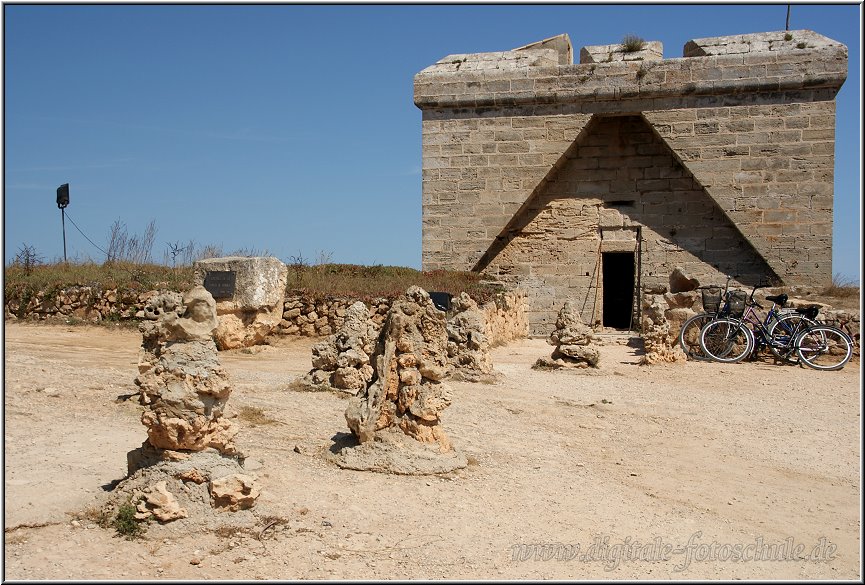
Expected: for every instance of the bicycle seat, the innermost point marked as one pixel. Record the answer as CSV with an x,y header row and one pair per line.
x,y
780,299
810,312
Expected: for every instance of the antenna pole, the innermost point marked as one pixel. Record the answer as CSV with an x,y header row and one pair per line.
x,y
62,202
788,18
63,219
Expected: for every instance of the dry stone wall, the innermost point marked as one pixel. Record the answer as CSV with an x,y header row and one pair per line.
x,y
312,317
505,315
91,303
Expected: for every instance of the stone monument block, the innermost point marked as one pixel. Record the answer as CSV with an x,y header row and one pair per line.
x,y
249,294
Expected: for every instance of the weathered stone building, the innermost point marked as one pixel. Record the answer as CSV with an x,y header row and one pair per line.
x,y
593,181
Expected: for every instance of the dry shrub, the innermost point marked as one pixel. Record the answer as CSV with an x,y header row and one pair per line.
x,y
255,416
369,282
841,287
632,44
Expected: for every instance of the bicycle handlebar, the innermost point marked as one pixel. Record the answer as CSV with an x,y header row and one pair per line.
x,y
751,300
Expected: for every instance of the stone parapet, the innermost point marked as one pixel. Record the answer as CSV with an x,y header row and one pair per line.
x,y
538,82
650,51
758,43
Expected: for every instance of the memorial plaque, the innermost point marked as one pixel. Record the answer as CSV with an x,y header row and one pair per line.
x,y
220,283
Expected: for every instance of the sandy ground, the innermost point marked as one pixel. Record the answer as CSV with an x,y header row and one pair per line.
x,y
654,472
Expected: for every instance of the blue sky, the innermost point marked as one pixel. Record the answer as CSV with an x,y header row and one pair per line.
x,y
291,129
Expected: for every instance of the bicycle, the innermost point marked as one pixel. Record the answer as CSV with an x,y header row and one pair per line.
x,y
730,339
689,334
824,348
724,342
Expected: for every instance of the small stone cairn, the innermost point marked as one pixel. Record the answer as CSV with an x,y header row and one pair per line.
x,y
574,341
189,460
341,362
468,346
395,421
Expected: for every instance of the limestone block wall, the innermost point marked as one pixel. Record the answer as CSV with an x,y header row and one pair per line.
x,y
621,190
725,158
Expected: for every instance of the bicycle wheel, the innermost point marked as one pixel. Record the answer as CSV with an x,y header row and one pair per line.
x,y
783,331
726,340
689,336
824,348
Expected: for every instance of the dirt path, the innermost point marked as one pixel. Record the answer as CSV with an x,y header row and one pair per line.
x,y
746,456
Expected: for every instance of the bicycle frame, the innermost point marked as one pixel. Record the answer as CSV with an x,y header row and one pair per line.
x,y
760,328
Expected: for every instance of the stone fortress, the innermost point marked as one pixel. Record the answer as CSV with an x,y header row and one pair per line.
x,y
593,182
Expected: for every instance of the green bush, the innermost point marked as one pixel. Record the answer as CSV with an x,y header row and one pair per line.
x,y
125,523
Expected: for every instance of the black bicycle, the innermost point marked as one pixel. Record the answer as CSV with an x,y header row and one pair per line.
x,y
742,334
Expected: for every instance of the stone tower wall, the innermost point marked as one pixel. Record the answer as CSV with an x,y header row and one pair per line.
x,y
727,155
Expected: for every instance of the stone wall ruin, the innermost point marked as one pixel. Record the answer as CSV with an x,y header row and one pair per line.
x,y
540,172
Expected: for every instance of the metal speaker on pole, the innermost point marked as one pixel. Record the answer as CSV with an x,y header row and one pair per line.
x,y
63,195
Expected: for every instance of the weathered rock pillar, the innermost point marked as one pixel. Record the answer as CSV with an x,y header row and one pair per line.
x,y
189,457
396,421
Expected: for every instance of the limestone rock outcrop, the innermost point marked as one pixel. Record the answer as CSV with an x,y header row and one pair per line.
x,y
575,342
681,282
180,378
160,503
399,412
235,492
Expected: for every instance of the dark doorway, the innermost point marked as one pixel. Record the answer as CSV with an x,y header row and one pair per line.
x,y
618,285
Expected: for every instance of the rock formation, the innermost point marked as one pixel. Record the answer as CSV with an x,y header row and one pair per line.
x,y
342,361
396,420
189,461
661,340
681,282
574,342
468,347
180,378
